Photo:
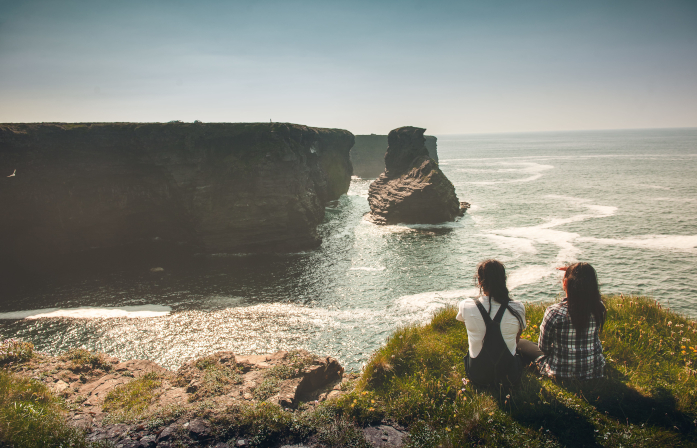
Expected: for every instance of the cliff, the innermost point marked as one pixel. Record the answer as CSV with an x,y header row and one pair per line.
x,y
412,189
368,154
206,187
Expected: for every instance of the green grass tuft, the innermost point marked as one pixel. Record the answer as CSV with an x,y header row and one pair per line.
x,y
13,350
128,402
82,360
31,417
216,379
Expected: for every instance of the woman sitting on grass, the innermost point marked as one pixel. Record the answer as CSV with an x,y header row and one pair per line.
x,y
492,359
569,344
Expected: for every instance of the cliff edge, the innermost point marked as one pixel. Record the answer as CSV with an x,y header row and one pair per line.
x,y
208,187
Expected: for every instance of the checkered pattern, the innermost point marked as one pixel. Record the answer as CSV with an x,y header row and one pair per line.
x,y
568,354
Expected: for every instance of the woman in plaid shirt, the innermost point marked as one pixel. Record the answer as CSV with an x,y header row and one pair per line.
x,y
569,344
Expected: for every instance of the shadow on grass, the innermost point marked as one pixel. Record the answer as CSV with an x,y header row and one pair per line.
x,y
536,408
611,396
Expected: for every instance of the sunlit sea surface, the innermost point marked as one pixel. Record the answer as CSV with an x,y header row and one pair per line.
x,y
625,201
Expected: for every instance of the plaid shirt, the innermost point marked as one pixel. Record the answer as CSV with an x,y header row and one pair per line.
x,y
568,354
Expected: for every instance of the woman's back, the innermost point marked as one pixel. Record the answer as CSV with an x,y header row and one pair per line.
x,y
568,352
476,329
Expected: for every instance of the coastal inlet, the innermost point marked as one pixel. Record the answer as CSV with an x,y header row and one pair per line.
x,y
622,201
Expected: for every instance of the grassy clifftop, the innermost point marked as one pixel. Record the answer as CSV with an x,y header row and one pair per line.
x,y
648,398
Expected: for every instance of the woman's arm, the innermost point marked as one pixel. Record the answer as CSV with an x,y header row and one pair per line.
x,y
546,338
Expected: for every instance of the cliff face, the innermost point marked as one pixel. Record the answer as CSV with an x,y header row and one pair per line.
x,y
412,189
214,187
368,154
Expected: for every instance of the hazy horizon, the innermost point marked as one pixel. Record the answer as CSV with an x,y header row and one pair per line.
x,y
454,68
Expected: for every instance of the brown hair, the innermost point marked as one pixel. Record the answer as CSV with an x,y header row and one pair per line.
x,y
491,277
583,296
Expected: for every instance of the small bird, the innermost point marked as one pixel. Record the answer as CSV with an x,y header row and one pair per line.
x,y
13,174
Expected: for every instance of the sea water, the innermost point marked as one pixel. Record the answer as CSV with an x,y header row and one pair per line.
x,y
624,201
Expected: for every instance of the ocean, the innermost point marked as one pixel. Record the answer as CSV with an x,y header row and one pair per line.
x,y
624,201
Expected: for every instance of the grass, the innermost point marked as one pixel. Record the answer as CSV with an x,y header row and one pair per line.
x,y
647,397
128,402
265,424
276,374
31,417
82,360
214,379
12,350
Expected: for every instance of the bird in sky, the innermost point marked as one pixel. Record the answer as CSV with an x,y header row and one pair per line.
x,y
13,174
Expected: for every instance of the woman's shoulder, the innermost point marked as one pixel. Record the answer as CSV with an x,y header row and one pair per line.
x,y
517,305
469,302
558,310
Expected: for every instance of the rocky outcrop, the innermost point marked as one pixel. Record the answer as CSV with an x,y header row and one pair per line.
x,y
221,383
412,189
368,154
208,187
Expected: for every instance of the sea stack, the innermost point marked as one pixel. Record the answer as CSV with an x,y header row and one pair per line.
x,y
412,189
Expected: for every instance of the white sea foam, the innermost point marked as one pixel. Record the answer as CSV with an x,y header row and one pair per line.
x,y
365,268
421,306
546,234
535,169
528,274
686,243
130,312
517,245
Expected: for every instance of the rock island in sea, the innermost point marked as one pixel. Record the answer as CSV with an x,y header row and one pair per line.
x,y
412,189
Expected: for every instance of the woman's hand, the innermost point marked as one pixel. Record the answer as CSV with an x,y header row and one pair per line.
x,y
563,268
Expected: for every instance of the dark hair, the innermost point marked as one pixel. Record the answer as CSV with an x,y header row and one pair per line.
x,y
583,296
491,277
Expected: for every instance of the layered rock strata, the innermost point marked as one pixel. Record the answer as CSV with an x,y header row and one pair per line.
x,y
412,189
213,187
368,154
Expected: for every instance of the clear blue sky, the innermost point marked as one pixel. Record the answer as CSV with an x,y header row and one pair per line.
x,y
449,66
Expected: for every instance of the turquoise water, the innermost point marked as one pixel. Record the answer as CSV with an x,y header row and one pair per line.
x,y
624,201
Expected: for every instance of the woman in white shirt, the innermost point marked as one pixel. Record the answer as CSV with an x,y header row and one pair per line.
x,y
492,360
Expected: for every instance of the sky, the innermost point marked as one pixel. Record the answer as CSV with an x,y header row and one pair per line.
x,y
453,67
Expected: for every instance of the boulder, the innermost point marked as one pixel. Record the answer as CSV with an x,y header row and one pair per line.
x,y
412,189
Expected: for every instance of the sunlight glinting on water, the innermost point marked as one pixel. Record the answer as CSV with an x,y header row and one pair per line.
x,y
621,200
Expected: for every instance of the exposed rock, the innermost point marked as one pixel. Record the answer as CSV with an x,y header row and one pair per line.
x,y
147,442
223,381
199,429
167,433
368,154
106,190
384,436
412,189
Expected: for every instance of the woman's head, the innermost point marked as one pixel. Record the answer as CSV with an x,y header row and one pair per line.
x,y
491,277
583,295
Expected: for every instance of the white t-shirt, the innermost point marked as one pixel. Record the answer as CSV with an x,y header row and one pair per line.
x,y
476,329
